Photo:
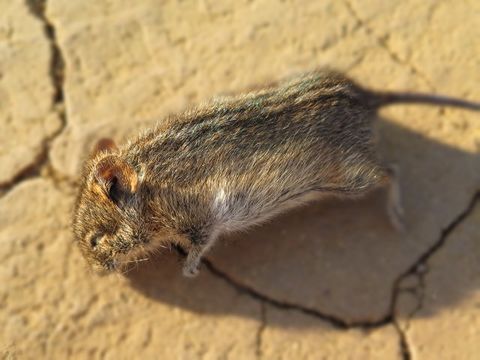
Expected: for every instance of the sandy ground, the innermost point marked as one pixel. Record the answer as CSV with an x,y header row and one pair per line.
x,y
329,281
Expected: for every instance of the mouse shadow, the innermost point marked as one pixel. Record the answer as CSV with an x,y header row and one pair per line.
x,y
336,258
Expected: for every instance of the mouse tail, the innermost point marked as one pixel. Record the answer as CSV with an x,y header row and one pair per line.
x,y
390,98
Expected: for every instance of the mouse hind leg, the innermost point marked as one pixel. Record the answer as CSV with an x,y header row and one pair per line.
x,y
199,246
374,175
389,180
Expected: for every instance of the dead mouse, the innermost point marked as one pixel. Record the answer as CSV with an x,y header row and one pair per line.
x,y
233,163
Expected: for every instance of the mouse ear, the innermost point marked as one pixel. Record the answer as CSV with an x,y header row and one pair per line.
x,y
104,144
117,178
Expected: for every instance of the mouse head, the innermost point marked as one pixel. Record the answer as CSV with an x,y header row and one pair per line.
x,y
107,217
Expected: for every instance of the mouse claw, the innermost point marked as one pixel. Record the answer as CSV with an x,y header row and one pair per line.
x,y
190,271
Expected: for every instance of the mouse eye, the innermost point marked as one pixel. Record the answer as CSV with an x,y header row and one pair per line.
x,y
94,240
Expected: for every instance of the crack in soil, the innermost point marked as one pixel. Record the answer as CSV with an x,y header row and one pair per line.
x,y
382,41
403,342
261,329
30,171
57,63
419,269
57,74
334,321
445,233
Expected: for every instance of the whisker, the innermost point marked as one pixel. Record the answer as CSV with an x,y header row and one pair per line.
x,y
127,271
135,260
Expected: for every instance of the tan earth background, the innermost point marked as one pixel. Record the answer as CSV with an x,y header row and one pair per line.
x,y
328,281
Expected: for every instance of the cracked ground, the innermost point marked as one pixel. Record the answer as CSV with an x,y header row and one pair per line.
x,y
329,281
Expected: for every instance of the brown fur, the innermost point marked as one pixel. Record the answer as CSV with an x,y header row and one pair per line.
x,y
228,165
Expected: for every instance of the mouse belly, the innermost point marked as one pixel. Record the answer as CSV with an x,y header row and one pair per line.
x,y
243,207
239,216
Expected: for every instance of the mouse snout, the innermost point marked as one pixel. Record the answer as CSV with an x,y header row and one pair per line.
x,y
110,252
105,267
102,254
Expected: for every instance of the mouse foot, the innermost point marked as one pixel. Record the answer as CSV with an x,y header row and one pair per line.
x,y
394,204
190,270
192,262
395,215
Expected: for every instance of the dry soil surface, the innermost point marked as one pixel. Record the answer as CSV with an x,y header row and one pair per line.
x,y
329,281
